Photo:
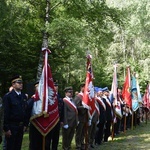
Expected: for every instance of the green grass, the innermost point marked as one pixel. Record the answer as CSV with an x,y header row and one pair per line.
x,y
136,139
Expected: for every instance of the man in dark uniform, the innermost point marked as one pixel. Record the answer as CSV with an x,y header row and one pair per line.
x,y
93,126
70,119
52,138
102,117
35,137
15,114
82,118
109,115
1,119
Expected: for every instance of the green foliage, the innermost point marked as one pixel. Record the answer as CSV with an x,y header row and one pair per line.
x,y
111,31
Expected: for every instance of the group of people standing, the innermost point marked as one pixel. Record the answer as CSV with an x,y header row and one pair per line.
x,y
73,119
105,122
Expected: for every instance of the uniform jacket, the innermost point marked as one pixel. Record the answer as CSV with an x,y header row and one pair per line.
x,y
60,108
95,117
1,116
102,109
109,111
15,109
82,112
70,113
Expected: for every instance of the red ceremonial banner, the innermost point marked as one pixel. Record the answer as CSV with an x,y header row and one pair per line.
x,y
46,113
126,94
146,97
88,95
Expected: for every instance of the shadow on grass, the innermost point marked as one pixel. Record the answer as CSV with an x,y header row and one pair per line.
x,y
137,139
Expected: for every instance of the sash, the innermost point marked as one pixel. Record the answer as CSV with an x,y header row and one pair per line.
x,y
101,102
107,101
80,95
97,109
67,100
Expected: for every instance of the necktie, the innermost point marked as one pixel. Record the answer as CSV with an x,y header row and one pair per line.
x,y
19,95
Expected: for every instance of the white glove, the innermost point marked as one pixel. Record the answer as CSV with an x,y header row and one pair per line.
x,y
89,123
97,122
66,126
86,106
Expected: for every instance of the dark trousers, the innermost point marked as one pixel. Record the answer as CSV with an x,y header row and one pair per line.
x,y
14,142
107,131
4,143
52,139
80,135
35,138
91,133
67,137
99,133
117,126
122,123
129,121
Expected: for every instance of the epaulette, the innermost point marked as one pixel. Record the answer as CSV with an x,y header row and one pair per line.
x,y
8,93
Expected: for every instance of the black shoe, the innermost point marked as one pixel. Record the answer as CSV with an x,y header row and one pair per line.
x,y
91,146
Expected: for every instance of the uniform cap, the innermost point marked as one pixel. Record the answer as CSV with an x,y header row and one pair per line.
x,y
55,84
100,90
82,85
105,89
67,89
96,89
36,83
16,78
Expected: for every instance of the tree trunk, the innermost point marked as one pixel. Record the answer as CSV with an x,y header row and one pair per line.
x,y
45,40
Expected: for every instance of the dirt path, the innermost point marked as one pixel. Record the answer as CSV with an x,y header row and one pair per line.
x,y
136,139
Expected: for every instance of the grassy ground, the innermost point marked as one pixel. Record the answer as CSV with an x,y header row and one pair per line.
x,y
136,139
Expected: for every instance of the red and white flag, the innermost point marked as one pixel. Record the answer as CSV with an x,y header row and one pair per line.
x,y
146,97
45,113
126,93
114,86
114,94
88,95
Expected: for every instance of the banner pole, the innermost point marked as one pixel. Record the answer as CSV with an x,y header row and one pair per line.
x,y
86,132
43,146
146,117
135,118
113,128
125,121
132,119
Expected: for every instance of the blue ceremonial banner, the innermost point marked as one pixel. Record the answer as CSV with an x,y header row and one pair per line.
x,y
135,103
139,93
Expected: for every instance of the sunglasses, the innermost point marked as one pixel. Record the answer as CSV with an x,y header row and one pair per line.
x,y
70,91
19,82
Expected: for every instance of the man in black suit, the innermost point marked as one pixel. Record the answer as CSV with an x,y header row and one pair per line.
x,y
52,139
102,117
15,114
109,113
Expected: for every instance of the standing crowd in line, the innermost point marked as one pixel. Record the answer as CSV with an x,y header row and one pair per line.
x,y
16,109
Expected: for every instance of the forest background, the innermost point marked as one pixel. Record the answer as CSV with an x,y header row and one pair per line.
x,y
113,31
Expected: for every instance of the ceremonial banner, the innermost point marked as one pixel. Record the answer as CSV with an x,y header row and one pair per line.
x,y
114,87
138,92
126,89
45,109
135,102
146,97
88,95
114,95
